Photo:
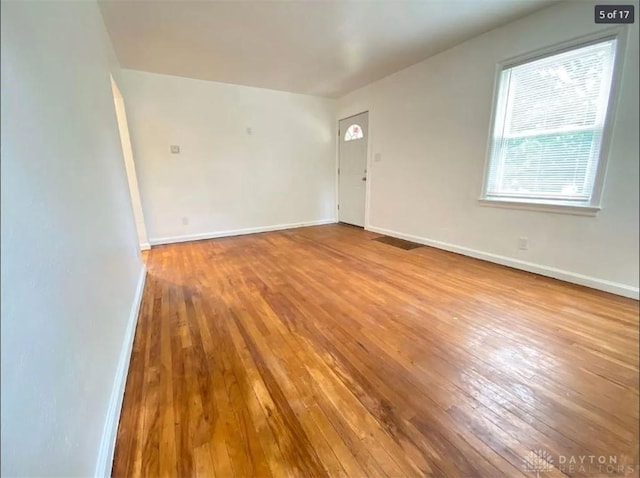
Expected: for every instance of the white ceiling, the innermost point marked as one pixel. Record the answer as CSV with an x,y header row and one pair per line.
x,y
325,48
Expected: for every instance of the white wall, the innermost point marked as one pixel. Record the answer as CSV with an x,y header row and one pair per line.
x,y
430,125
225,180
70,263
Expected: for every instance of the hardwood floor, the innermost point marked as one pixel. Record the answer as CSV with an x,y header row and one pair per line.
x,y
321,352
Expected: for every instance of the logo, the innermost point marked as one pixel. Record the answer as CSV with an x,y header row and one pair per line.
x,y
538,461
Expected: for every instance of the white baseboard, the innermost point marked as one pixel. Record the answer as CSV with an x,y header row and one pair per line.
x,y
593,282
236,232
108,442
145,246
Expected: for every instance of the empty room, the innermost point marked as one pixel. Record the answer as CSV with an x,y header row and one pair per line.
x,y
320,238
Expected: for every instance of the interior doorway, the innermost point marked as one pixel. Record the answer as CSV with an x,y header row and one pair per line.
x,y
130,166
352,168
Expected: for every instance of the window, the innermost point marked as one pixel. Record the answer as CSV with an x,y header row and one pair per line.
x,y
353,132
548,127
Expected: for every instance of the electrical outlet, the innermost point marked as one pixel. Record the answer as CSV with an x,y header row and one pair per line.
x,y
185,220
175,149
523,243
249,131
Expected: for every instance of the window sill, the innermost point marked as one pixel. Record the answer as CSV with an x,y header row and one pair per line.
x,y
572,209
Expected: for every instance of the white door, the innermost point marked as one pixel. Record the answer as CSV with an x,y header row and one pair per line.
x,y
352,172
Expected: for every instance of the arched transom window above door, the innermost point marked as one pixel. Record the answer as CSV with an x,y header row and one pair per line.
x,y
353,132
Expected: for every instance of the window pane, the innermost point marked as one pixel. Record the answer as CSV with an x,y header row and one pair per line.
x,y
549,121
353,132
547,165
560,91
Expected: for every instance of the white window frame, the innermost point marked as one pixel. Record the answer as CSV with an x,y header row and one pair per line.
x,y
619,33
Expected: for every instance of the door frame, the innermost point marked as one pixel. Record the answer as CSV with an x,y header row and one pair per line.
x,y
120,112
367,187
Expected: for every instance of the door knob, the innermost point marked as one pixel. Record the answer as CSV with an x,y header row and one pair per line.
x,y
364,178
